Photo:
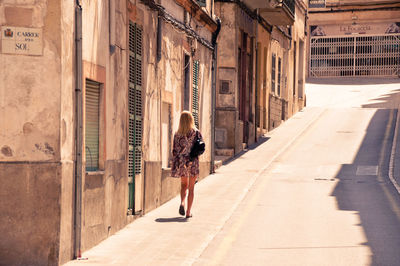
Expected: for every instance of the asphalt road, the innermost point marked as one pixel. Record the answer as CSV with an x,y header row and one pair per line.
x,y
327,199
314,191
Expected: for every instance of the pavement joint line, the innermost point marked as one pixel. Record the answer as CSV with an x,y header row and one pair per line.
x,y
393,153
218,229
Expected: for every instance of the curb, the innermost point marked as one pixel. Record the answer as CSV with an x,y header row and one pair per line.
x,y
393,153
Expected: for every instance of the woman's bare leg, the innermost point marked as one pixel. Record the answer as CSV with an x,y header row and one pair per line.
x,y
184,187
192,181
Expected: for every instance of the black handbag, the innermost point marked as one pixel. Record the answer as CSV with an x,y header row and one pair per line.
x,y
198,147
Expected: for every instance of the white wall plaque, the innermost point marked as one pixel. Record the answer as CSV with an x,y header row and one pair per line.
x,y
17,40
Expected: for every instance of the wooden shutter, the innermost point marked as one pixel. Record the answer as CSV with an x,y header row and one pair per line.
x,y
273,73
195,96
135,107
92,125
279,75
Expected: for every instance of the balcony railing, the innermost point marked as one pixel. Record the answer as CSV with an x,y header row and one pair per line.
x,y
316,3
291,5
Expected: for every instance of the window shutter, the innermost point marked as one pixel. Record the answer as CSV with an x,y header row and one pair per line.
x,y
273,73
279,75
135,108
195,98
92,114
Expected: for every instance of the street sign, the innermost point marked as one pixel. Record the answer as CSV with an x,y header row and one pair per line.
x,y
24,41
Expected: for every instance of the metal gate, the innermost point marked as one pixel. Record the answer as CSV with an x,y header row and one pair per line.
x,y
372,55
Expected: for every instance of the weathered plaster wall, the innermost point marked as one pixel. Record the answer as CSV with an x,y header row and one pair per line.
x,y
105,192
263,39
226,94
294,102
30,141
67,131
30,208
30,130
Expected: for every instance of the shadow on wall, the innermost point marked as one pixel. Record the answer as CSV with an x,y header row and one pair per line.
x,y
360,189
352,81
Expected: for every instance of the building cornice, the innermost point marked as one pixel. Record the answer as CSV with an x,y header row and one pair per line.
x,y
169,18
198,13
248,11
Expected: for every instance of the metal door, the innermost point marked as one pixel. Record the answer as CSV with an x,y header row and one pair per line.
x,y
372,55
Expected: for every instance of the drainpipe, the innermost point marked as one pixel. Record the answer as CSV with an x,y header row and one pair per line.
x,y
257,89
213,91
78,130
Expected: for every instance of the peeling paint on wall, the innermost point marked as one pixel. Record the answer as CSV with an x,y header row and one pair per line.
x,y
6,151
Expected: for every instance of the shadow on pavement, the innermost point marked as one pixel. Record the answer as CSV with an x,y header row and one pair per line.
x,y
390,100
261,140
172,220
353,81
375,200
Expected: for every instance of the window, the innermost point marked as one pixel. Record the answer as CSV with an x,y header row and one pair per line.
x,y
273,74
135,109
195,94
92,124
279,75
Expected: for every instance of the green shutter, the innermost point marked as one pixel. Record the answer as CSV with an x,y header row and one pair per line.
x,y
135,107
92,114
195,96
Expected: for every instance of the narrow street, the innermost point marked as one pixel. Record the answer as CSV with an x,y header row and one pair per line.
x,y
315,191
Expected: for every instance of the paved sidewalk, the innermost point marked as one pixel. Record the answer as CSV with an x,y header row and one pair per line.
x,y
163,237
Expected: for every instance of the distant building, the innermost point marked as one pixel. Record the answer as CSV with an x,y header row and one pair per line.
x,y
261,69
353,38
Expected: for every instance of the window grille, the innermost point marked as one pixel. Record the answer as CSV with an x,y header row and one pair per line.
x,y
195,94
374,55
92,124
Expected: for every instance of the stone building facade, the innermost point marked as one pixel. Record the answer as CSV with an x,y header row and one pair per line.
x,y
353,38
261,70
88,112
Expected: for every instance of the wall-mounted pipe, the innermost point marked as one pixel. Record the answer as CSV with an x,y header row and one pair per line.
x,y
159,36
78,131
213,91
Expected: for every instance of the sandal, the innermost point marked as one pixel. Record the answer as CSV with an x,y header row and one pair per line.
x,y
182,210
189,216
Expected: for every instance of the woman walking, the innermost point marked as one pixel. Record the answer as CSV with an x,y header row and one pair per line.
x,y
182,165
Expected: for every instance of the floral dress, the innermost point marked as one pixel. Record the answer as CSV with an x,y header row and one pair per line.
x,y
181,164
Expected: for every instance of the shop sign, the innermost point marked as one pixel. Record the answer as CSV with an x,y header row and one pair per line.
x,y
18,40
356,28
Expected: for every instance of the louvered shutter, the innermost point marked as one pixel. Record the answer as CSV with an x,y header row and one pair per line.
x,y
279,75
92,114
273,63
195,96
135,107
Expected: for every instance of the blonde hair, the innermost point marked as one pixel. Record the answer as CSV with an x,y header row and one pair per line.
x,y
186,123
